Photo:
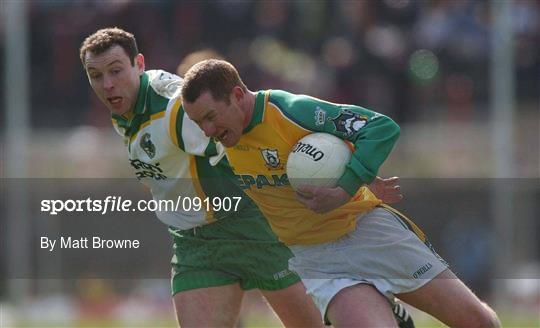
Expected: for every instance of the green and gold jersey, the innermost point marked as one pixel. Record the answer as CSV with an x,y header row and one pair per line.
x,y
164,146
279,120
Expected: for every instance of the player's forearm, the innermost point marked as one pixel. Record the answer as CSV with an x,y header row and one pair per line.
x,y
372,146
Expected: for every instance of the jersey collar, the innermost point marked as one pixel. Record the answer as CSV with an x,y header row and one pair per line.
x,y
258,110
128,123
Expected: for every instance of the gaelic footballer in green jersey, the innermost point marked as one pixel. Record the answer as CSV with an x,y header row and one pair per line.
x,y
158,138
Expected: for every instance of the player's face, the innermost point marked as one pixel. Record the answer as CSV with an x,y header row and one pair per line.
x,y
114,80
219,120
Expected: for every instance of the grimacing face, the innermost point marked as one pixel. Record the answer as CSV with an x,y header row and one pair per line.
x,y
218,120
114,80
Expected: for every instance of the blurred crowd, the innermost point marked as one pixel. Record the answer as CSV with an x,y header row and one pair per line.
x,y
412,60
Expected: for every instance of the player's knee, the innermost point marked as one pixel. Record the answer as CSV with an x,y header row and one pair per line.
x,y
483,317
491,318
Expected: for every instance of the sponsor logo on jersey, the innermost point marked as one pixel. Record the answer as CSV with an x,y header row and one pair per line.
x,y
309,150
245,181
271,158
147,170
349,122
148,146
320,116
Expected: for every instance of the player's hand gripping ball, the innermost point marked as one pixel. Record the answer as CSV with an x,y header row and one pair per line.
x,y
318,159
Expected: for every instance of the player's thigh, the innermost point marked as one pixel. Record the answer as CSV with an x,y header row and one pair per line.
x,y
294,307
360,305
448,299
209,307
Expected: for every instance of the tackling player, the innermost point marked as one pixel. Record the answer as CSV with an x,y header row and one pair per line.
x,y
354,251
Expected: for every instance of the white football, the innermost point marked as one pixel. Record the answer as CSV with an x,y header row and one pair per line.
x,y
318,159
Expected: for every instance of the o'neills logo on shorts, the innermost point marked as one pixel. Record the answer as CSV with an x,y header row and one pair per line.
x,y
282,274
308,149
425,268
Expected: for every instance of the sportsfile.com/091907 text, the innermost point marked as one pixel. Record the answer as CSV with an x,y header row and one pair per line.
x,y
118,204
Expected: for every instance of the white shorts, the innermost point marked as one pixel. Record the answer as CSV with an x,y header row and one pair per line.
x,y
382,251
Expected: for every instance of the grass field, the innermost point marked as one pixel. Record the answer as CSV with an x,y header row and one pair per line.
x,y
422,321
255,313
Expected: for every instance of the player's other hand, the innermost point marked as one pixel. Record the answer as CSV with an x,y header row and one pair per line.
x,y
322,199
387,190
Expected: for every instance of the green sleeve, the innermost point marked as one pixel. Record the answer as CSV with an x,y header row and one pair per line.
x,y
203,147
178,126
372,134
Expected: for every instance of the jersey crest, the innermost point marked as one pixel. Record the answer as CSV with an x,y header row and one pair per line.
x,y
271,158
349,122
147,145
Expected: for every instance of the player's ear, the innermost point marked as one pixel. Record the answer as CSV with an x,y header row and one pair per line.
x,y
139,62
238,93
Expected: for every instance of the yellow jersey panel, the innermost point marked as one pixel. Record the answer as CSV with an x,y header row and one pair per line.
x,y
259,161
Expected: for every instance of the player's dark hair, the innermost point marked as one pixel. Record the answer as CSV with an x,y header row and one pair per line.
x,y
217,76
102,40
